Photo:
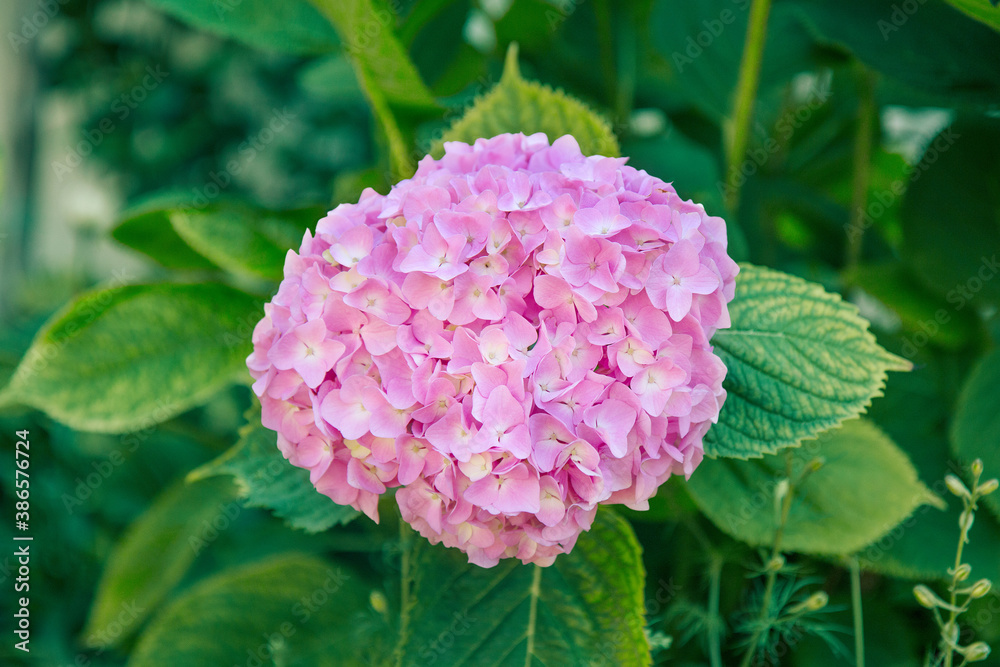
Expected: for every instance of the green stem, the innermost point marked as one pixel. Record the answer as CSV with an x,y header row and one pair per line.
x,y
746,93
714,593
405,537
772,572
868,113
952,614
859,621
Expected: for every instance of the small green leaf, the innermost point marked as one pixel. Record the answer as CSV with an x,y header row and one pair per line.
x,y
267,480
865,486
291,26
154,554
975,430
291,609
127,357
516,105
800,361
243,240
585,609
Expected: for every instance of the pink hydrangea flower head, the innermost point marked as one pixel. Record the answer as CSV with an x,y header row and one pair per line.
x,y
512,337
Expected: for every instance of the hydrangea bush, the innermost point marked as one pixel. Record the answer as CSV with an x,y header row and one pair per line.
x,y
514,336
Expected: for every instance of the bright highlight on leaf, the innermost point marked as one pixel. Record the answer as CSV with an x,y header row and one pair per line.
x,y
799,361
864,487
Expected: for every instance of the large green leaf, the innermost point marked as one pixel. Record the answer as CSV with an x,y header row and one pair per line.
x,y
928,51
799,361
127,357
154,554
865,486
585,609
984,11
951,214
146,228
976,427
267,480
516,105
290,26
288,610
244,240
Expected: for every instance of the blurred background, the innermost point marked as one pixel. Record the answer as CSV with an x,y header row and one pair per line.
x,y
109,106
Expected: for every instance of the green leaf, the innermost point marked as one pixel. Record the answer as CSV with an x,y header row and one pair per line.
x,y
267,480
975,430
291,609
154,554
127,357
865,486
384,70
984,11
799,361
291,26
587,608
146,228
959,258
243,240
516,105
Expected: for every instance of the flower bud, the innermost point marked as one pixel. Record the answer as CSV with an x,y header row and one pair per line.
x,y
965,521
379,602
962,573
980,589
976,468
926,597
956,486
976,652
987,487
775,563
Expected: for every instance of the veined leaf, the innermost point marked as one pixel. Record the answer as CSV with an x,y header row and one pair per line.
x,y
516,105
127,357
865,486
154,554
976,427
266,479
983,11
585,609
800,361
291,609
146,228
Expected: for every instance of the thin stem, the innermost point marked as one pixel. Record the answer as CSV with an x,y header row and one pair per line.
x,y
867,113
405,536
772,571
859,621
953,588
714,592
746,93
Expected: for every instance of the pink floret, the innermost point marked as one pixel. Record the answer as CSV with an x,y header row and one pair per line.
x,y
512,337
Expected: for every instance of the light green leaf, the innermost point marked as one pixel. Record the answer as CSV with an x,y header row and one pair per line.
x,y
865,486
384,70
516,105
146,228
585,609
975,432
800,361
983,11
127,357
290,26
267,480
243,240
154,554
291,609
